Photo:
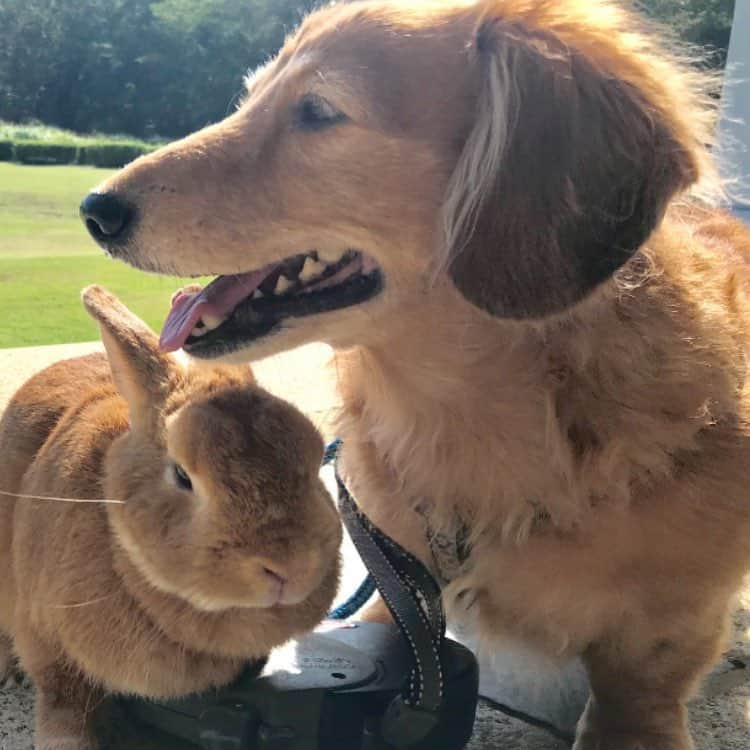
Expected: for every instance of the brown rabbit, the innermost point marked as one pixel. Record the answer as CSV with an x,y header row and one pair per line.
x,y
222,541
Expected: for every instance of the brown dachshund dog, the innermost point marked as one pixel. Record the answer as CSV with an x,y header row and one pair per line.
x,y
497,212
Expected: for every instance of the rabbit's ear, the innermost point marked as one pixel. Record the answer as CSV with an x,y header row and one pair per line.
x,y
143,374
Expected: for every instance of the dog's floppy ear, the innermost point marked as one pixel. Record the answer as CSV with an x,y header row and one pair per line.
x,y
564,175
142,373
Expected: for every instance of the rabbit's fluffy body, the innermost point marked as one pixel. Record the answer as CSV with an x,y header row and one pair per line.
x,y
177,588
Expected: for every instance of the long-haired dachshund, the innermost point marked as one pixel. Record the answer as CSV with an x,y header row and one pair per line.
x,y
491,210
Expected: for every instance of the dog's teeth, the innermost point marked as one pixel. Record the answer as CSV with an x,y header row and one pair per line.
x,y
310,270
257,294
282,285
327,258
212,321
206,324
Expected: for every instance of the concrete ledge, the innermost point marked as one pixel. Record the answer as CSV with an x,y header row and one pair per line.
x,y
301,376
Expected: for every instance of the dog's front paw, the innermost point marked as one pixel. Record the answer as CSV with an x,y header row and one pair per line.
x,y
630,725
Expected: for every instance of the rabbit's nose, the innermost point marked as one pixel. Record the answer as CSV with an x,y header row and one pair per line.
x,y
274,576
268,586
288,587
107,216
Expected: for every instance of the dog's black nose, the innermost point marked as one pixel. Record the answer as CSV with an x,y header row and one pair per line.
x,y
106,216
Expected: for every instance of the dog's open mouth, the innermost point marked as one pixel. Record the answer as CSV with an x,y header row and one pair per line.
x,y
233,311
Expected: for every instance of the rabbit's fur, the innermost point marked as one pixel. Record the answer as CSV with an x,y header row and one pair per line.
x,y
174,590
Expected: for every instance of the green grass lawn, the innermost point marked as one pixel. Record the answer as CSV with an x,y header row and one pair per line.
x,y
47,257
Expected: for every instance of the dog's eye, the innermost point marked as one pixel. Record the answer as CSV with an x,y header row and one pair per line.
x,y
314,112
181,478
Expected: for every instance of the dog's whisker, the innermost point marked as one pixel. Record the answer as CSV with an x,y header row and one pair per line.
x,y
81,500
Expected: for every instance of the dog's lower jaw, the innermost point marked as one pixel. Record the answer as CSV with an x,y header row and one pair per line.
x,y
340,329
283,339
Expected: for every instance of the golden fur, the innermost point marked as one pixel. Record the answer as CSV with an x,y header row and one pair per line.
x,y
559,354
168,593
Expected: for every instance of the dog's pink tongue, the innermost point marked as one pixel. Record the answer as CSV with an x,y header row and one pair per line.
x,y
219,298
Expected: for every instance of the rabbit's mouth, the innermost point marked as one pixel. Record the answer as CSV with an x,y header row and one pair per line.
x,y
232,311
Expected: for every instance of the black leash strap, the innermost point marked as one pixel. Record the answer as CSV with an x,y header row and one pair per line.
x,y
413,597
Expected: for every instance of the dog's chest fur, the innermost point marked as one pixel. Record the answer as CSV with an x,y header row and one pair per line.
x,y
546,442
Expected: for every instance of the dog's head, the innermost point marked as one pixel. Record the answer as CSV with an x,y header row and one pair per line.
x,y
519,151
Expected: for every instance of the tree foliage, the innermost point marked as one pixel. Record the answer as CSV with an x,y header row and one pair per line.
x,y
136,66
168,67
704,23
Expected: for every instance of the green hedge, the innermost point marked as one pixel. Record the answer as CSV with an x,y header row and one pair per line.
x,y
6,150
112,155
36,152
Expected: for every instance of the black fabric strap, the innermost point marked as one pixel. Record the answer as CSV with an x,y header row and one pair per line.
x,y
413,598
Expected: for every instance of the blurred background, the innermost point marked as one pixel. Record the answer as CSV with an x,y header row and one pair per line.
x,y
164,68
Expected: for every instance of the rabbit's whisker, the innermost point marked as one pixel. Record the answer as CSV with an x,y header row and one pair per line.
x,y
82,604
82,500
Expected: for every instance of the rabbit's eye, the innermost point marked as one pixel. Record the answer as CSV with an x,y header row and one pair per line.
x,y
182,478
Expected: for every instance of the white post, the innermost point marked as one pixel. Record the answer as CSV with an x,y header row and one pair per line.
x,y
734,130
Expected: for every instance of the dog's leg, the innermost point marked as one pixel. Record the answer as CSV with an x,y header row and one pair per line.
x,y
640,690
598,731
